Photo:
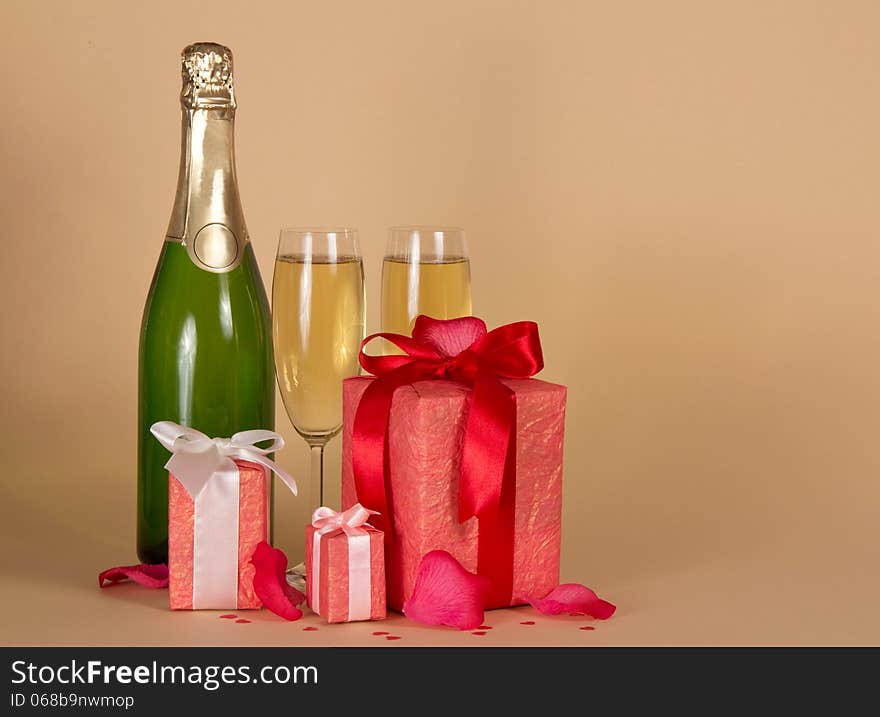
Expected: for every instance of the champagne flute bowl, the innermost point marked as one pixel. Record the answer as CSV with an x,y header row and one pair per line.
x,y
317,328
426,270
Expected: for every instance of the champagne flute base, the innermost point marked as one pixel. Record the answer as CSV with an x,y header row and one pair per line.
x,y
296,577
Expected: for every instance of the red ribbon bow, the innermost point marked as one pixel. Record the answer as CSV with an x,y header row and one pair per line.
x,y
459,350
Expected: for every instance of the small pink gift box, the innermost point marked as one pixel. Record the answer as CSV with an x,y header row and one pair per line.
x,y
345,566
425,434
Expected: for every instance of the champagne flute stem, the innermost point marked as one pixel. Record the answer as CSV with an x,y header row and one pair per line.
x,y
317,468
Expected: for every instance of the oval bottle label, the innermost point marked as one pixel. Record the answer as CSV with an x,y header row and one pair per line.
x,y
216,248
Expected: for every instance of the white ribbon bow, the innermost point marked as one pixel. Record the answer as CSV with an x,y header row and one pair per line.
x,y
360,575
196,457
205,468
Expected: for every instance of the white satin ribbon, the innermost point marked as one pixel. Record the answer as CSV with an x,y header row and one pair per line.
x,y
205,468
360,577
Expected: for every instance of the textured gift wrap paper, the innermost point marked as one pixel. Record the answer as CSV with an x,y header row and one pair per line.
x,y
424,452
252,528
334,583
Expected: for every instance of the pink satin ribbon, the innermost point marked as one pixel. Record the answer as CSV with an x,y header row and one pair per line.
x,y
360,576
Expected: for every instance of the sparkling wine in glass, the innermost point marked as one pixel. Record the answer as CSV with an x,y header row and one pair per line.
x,y
317,327
426,271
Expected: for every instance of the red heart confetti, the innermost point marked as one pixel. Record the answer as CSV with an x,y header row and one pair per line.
x,y
242,621
587,627
310,628
230,616
527,622
392,637
380,632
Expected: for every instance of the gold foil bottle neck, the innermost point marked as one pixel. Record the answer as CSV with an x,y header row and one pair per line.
x,y
207,76
207,217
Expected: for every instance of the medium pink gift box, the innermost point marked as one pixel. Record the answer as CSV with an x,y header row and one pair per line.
x,y
253,527
425,433
345,566
218,511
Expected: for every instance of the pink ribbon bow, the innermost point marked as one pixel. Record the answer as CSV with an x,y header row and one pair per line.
x,y
326,520
360,575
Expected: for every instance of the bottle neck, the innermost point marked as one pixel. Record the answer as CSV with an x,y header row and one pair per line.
x,y
207,217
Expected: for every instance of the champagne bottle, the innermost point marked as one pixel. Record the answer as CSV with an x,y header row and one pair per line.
x,y
206,343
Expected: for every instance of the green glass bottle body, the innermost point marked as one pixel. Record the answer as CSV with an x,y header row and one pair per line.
x,y
205,362
206,339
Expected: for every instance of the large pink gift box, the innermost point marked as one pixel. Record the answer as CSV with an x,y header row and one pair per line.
x,y
424,453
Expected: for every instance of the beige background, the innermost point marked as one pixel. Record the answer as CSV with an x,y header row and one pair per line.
x,y
682,194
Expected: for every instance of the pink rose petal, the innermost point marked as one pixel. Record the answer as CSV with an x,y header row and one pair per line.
x,y
446,594
572,597
451,336
150,576
270,583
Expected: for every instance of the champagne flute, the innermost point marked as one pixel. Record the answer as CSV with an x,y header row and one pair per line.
x,y
317,328
426,271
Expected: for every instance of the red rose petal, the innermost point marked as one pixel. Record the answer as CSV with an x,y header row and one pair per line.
x,y
310,628
270,582
527,622
231,616
150,576
479,632
484,627
587,627
380,632
241,621
573,597
451,336
392,637
446,594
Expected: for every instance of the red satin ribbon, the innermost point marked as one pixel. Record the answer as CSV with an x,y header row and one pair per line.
x,y
488,487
